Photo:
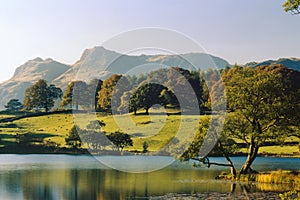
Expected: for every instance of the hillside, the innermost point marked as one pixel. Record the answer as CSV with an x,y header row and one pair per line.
x,y
292,63
27,74
99,62
96,62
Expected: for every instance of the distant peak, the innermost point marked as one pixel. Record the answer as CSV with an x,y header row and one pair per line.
x,y
49,60
99,47
37,59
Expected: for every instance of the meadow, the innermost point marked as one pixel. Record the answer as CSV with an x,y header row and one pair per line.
x,y
157,130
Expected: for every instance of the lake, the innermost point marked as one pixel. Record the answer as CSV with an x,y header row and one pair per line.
x,y
84,177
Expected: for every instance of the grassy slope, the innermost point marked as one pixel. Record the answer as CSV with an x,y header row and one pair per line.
x,y
157,130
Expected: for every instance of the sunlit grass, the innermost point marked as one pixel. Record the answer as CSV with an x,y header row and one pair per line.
x,y
279,149
157,129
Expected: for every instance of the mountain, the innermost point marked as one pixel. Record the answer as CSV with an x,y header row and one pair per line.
x,y
97,62
27,74
100,62
292,63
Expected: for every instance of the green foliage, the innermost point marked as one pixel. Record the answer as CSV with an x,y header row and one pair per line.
x,y
120,140
145,147
41,96
93,89
73,140
177,78
265,107
80,94
224,144
146,96
13,105
95,125
95,140
265,102
292,6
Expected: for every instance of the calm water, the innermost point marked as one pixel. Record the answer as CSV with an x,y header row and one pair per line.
x,y
83,177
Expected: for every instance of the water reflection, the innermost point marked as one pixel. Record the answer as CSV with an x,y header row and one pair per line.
x,y
111,184
36,180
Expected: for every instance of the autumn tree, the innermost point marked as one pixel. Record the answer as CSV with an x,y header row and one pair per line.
x,y
76,95
41,96
106,92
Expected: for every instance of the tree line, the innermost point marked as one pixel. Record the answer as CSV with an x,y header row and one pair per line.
x,y
134,93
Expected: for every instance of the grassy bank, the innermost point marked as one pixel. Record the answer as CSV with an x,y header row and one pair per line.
x,y
273,177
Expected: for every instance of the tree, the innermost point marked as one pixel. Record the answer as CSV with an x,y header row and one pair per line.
x,y
263,104
173,80
106,92
168,97
93,137
73,138
120,140
145,147
13,105
292,6
265,108
128,103
93,89
95,125
147,95
76,94
41,96
224,146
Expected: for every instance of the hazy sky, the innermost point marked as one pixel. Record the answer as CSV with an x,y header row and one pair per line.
x,y
238,31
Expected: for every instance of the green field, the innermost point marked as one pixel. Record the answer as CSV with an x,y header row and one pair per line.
x,y
156,129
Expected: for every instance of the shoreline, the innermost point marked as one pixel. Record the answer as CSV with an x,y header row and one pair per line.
x,y
40,149
86,152
222,196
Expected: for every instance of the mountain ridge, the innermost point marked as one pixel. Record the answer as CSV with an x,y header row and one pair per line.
x,y
98,62
292,63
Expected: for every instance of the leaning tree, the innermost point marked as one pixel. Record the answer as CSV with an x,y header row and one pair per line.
x,y
265,103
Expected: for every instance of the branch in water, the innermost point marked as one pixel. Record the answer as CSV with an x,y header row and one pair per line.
x,y
208,163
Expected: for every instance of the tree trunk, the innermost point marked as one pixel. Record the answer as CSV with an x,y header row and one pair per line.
x,y
232,187
147,111
76,106
232,168
252,153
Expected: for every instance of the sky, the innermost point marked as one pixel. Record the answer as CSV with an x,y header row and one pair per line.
x,y
238,31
